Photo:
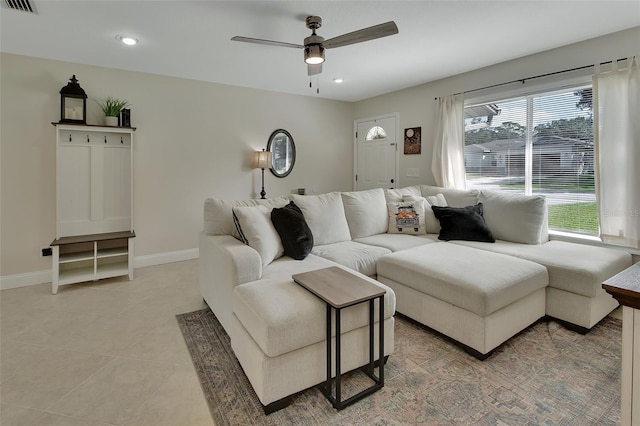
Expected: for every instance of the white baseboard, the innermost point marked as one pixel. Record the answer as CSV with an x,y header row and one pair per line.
x,y
40,277
23,280
162,258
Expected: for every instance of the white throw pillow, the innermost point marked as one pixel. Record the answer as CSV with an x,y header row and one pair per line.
x,y
395,195
257,231
218,219
515,217
455,197
325,216
366,212
431,221
407,217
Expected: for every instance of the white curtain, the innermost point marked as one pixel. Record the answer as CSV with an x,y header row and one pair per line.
x,y
617,150
448,146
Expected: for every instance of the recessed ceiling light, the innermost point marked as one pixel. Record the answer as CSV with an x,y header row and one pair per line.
x,y
128,40
338,80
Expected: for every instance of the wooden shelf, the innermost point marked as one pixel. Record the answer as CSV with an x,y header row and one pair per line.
x,y
92,125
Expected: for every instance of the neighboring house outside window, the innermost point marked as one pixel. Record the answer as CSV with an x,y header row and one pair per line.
x,y
537,144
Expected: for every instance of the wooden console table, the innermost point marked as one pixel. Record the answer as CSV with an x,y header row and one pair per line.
x,y
340,289
625,288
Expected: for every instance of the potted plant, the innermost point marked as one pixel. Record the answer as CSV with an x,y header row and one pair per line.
x,y
111,108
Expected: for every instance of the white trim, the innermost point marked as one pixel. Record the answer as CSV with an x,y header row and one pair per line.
x,y
590,240
8,282
24,280
162,258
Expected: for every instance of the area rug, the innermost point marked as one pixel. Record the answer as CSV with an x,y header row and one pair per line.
x,y
545,375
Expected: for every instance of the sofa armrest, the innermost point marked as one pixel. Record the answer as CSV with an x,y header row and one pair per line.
x,y
224,263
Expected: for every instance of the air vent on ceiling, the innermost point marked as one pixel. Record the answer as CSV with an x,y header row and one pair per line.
x,y
22,5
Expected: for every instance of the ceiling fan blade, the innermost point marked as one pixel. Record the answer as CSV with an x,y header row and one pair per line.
x,y
365,34
268,42
313,69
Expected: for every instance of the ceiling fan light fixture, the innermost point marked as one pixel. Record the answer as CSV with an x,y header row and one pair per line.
x,y
314,54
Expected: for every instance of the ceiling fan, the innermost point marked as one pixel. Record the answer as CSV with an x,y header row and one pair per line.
x,y
314,45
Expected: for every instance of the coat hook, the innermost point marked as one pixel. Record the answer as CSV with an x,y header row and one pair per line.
x,y
69,137
105,138
121,141
88,139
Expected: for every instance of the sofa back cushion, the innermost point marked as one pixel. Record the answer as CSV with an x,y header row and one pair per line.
x,y
455,197
255,228
218,219
395,195
325,216
515,217
366,212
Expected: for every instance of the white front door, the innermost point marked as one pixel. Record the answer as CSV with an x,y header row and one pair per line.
x,y
376,153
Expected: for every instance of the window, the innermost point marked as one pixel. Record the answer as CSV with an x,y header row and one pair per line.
x,y
537,144
376,132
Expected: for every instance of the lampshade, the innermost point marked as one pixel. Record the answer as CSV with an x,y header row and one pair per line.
x,y
262,159
314,54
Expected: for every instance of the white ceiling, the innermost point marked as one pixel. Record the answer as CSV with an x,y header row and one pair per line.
x,y
191,39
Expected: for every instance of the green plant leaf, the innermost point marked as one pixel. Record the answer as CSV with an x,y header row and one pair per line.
x,y
111,106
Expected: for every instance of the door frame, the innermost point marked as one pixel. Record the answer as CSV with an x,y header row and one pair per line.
x,y
395,115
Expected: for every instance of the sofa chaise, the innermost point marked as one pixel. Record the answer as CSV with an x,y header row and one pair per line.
x,y
476,292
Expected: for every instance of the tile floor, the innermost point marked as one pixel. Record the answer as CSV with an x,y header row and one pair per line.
x,y
104,353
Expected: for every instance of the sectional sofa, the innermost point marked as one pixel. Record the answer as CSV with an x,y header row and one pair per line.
x,y
495,273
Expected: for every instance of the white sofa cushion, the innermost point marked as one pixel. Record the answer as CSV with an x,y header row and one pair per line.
x,y
282,316
394,242
218,219
366,212
407,217
478,281
356,256
515,217
576,268
325,216
396,194
455,197
258,232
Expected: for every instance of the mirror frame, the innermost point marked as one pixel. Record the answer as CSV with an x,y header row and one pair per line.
x,y
293,152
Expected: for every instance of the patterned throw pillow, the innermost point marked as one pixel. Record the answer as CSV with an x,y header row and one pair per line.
x,y
407,217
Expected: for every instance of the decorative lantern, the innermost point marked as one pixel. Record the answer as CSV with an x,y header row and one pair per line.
x,y
73,103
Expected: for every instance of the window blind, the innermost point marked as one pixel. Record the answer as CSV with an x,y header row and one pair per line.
x,y
537,144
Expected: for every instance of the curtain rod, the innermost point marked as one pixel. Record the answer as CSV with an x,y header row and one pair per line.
x,y
522,80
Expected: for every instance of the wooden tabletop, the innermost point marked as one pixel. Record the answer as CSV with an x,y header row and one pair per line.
x,y
93,237
338,287
625,287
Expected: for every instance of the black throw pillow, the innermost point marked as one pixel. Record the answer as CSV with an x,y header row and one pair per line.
x,y
294,232
463,223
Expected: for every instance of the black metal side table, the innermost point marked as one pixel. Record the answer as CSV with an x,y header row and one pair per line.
x,y
339,289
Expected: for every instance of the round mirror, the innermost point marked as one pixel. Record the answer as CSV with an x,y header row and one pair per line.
x,y
283,152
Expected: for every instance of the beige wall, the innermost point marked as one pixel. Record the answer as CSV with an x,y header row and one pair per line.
x,y
417,106
193,140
